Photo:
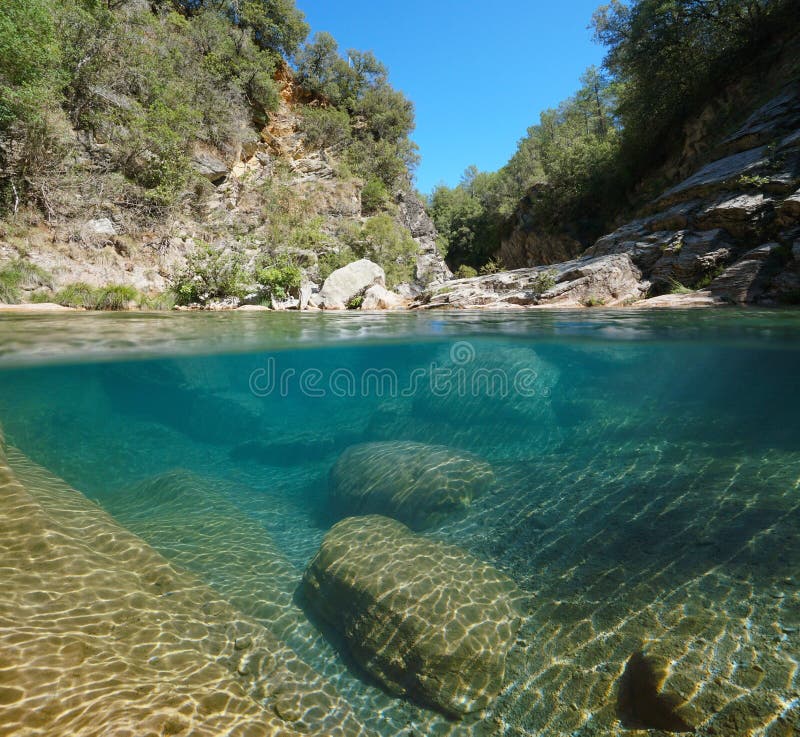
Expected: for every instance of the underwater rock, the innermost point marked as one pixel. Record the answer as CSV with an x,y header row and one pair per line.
x,y
99,632
425,618
480,384
415,483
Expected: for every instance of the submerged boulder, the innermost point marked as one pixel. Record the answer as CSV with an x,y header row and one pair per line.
x,y
415,483
425,618
349,282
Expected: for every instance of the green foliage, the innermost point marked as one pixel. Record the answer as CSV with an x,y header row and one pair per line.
x,y
753,181
81,295
276,25
592,301
277,279
670,56
390,246
544,281
147,85
675,287
291,223
325,127
356,302
563,166
467,218
19,274
465,272
376,145
374,196
491,267
210,273
381,240
29,59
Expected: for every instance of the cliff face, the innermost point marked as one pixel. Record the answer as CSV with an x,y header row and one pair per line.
x,y
721,217
273,192
729,232
755,112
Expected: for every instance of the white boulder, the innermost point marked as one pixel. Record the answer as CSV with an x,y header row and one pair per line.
x,y
344,284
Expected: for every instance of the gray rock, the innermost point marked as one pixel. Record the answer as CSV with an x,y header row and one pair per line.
x,y
690,257
100,226
609,280
741,215
719,173
676,217
702,298
748,279
789,209
344,284
281,305
430,267
779,114
209,165
307,291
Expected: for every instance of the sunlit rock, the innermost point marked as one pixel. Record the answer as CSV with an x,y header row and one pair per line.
x,y
347,283
426,619
415,483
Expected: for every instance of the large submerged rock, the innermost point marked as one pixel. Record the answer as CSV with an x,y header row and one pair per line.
x,y
426,619
415,483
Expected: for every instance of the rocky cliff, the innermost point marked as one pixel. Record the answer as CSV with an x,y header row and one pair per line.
x,y
728,232
274,193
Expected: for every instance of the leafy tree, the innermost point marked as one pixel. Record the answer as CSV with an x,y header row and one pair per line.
x,y
669,56
275,24
381,118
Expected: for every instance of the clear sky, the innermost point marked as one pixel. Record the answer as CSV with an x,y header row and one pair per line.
x,y
479,73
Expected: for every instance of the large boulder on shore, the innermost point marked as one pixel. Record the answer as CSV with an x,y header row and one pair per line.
x,y
415,483
351,281
425,618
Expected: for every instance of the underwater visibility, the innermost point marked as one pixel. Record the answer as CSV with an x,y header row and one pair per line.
x,y
565,524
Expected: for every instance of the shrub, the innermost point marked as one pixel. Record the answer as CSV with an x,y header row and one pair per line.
x,y
390,246
20,274
159,302
492,266
278,280
325,127
209,273
374,196
544,281
115,297
465,272
82,295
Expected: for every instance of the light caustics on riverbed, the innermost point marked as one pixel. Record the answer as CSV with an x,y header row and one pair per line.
x,y
568,524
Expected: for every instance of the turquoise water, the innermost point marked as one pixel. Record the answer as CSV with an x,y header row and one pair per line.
x,y
647,479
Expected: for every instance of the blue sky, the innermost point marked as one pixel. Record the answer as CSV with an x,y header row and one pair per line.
x,y
479,73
